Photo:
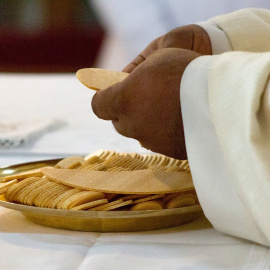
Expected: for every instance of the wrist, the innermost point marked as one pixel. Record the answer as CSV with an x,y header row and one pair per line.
x,y
218,38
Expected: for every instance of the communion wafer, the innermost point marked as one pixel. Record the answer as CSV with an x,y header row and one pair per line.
x,y
12,192
5,186
102,154
136,164
134,155
94,167
163,161
66,162
51,195
26,191
147,158
92,160
150,198
97,153
139,182
82,198
157,168
117,169
134,196
109,154
154,159
90,204
96,78
174,168
56,194
101,207
169,197
115,161
46,202
149,205
34,191
43,194
181,201
23,175
48,194
115,206
74,165
184,164
16,196
65,196
60,199
174,162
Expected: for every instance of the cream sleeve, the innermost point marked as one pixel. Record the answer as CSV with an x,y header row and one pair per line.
x,y
226,115
242,30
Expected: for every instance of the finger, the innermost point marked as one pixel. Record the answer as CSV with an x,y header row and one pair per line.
x,y
131,66
104,102
152,47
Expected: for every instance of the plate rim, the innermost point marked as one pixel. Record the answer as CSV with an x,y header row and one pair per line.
x,y
99,214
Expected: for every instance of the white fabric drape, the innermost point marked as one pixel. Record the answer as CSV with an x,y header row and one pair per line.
x,y
229,102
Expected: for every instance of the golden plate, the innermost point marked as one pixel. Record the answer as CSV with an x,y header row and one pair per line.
x,y
98,221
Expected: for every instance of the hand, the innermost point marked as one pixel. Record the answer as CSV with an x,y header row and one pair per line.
x,y
146,105
190,37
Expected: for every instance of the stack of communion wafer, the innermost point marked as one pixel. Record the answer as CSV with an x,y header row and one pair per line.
x,y
60,187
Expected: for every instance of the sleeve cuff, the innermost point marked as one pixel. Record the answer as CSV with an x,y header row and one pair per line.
x,y
219,40
212,181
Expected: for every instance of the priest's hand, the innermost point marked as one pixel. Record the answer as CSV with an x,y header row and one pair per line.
x,y
189,37
146,105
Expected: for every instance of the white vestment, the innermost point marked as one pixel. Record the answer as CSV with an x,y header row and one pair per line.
x,y
226,114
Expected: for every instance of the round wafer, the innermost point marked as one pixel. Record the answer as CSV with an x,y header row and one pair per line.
x,y
52,195
17,188
154,159
149,198
55,195
149,205
98,78
29,200
28,190
133,196
115,206
163,161
97,153
44,193
4,187
90,204
92,160
81,198
66,162
59,201
181,201
101,207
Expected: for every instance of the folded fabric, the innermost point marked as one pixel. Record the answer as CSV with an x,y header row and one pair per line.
x,y
18,133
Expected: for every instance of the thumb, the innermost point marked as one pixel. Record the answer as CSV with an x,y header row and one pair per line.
x,y
104,102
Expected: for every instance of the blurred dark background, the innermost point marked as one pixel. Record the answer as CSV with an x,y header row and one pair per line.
x,y
48,35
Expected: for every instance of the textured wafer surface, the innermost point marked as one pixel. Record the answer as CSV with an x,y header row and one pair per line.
x,y
139,182
96,78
